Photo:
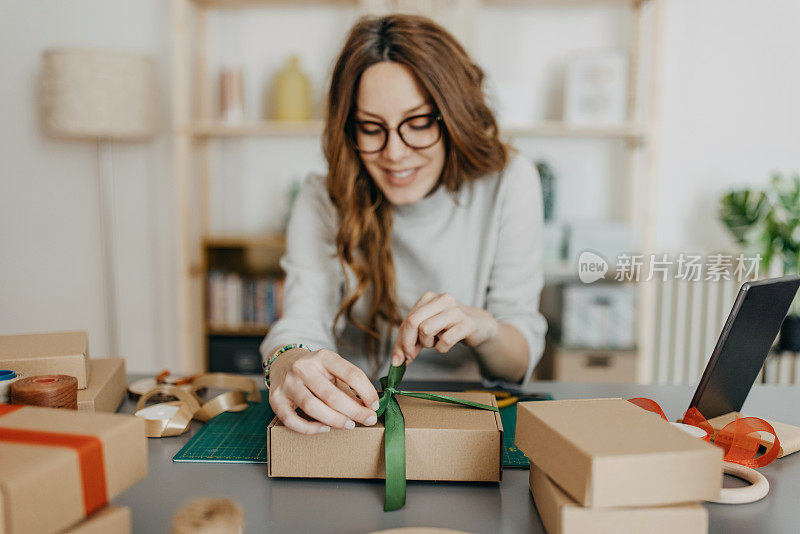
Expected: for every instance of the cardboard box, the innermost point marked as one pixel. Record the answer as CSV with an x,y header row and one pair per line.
x,y
109,520
443,442
609,452
788,435
562,515
37,473
106,386
58,353
593,365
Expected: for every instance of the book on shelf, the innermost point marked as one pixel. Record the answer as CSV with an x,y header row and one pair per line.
x,y
236,300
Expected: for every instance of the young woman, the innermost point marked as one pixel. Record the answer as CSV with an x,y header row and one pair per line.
x,y
422,244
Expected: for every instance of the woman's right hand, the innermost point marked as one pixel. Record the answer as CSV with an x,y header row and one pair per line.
x,y
307,380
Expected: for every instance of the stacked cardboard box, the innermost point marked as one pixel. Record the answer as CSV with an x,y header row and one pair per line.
x,y
59,468
606,465
101,382
56,353
106,387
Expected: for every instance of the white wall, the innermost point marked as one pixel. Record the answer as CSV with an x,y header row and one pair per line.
x,y
729,118
51,274
730,110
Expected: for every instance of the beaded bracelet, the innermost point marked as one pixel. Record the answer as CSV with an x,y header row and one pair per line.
x,y
277,353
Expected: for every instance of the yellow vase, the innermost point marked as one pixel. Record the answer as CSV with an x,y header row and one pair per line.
x,y
291,94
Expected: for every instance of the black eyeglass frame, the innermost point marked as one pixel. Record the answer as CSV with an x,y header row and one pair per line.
x,y
355,122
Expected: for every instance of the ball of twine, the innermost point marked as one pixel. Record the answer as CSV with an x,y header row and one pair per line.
x,y
52,391
209,516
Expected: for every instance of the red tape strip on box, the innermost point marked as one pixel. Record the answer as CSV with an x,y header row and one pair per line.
x,y
90,457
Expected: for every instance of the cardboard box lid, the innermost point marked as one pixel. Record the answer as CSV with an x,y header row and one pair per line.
x,y
609,452
426,414
106,387
417,413
33,475
43,345
47,353
443,442
562,515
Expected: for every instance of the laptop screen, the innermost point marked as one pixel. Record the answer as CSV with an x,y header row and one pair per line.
x,y
744,344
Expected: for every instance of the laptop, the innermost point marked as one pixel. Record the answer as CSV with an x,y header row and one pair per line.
x,y
744,344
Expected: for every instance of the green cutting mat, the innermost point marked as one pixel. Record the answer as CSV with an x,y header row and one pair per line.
x,y
241,437
231,437
512,456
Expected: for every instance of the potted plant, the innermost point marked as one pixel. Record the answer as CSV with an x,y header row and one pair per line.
x,y
767,222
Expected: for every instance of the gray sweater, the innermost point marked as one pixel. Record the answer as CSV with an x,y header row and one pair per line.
x,y
483,246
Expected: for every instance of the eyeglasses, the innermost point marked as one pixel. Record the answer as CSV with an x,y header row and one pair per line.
x,y
419,131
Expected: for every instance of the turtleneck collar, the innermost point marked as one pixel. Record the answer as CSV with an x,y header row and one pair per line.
x,y
424,208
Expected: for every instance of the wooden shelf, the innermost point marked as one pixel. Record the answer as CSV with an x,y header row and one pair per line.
x,y
238,4
566,271
223,4
552,129
240,330
257,129
277,241
524,3
562,271
554,272
556,129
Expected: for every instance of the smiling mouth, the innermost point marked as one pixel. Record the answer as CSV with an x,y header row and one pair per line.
x,y
401,177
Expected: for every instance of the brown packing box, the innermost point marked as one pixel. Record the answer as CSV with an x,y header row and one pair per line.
x,y
562,515
36,477
443,442
57,353
108,520
594,365
106,386
609,452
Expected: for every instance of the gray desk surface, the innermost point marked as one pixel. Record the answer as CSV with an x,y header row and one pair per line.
x,y
356,506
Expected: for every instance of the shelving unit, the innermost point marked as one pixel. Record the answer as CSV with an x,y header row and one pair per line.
x,y
244,330
252,256
195,128
257,129
632,132
273,241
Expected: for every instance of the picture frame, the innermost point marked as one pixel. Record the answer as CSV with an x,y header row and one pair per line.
x,y
596,89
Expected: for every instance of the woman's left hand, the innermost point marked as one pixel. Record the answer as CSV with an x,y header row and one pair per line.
x,y
439,320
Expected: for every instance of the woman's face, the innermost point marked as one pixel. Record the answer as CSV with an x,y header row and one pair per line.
x,y
388,93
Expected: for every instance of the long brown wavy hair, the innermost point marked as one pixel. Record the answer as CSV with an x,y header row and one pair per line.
x,y
472,149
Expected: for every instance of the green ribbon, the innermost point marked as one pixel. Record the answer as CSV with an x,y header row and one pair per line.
x,y
395,433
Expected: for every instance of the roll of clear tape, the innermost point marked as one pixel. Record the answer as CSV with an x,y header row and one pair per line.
x,y
693,431
759,485
7,377
757,490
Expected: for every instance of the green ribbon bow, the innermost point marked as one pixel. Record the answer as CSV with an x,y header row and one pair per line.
x,y
395,433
